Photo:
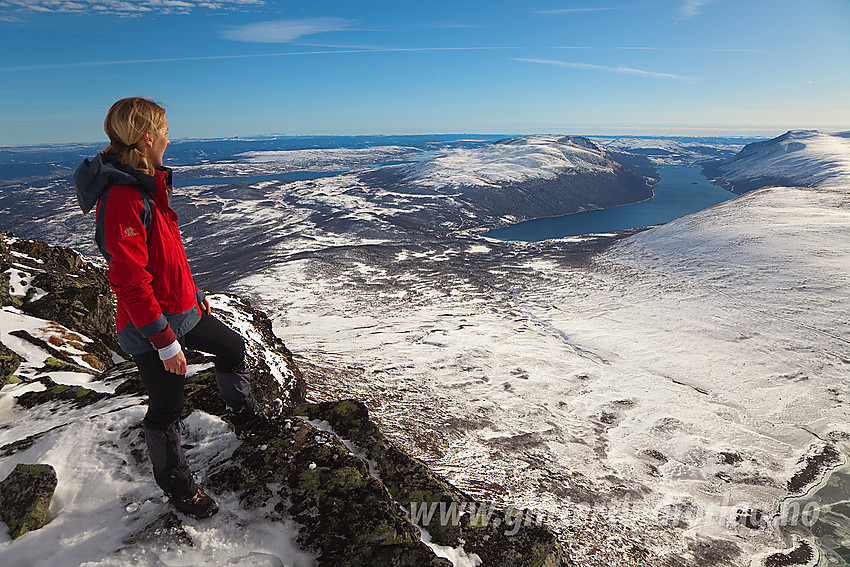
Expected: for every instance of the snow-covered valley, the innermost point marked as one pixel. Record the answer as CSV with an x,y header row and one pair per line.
x,y
682,375
653,394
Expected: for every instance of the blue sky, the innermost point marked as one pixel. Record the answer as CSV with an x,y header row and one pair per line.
x,y
250,67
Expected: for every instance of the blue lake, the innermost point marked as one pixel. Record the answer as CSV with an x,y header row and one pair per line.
x,y
681,190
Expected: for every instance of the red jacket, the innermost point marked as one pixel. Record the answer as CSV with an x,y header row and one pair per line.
x,y
148,271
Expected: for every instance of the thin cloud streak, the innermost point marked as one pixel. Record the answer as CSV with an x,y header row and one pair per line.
x,y
245,56
451,26
354,49
691,9
337,50
284,31
673,49
575,10
620,70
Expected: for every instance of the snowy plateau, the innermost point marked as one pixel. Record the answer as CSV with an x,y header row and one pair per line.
x,y
660,397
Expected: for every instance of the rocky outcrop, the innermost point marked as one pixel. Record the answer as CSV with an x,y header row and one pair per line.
x,y
500,537
25,497
167,530
346,515
78,396
58,284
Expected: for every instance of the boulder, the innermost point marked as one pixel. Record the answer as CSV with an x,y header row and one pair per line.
x,y
77,291
25,497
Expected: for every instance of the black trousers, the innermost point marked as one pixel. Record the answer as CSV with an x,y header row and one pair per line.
x,y
166,393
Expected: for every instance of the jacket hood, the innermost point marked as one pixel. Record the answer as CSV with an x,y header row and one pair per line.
x,y
95,176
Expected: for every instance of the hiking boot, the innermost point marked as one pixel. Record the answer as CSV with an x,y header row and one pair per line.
x,y
199,505
253,415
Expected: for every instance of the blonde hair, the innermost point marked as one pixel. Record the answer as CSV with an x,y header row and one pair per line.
x,y
126,124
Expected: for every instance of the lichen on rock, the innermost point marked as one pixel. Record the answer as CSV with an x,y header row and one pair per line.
x,y
79,396
345,514
9,363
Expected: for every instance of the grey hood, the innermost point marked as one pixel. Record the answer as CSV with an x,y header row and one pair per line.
x,y
95,176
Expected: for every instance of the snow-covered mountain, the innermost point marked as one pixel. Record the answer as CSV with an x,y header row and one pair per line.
x,y
799,158
673,151
512,180
670,397
513,160
269,162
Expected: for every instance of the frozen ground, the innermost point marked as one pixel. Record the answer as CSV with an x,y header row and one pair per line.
x,y
683,372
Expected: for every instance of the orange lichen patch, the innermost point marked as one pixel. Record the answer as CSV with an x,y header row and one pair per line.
x,y
93,361
60,336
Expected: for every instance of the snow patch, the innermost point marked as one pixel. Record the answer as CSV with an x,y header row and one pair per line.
x,y
20,282
456,555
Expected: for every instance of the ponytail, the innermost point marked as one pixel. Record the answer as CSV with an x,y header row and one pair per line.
x,y
126,124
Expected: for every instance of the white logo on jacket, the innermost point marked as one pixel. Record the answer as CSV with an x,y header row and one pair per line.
x,y
130,231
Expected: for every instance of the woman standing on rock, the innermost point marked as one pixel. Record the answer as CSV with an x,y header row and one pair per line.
x,y
160,310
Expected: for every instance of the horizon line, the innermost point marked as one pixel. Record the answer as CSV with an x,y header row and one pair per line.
x,y
645,132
